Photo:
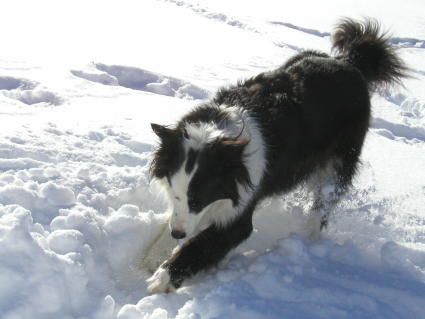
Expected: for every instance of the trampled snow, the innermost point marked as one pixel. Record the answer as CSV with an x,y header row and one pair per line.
x,y
80,82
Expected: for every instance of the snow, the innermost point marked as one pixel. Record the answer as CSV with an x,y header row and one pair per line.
x,y
142,80
79,86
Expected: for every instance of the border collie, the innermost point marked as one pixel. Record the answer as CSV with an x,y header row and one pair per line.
x,y
305,120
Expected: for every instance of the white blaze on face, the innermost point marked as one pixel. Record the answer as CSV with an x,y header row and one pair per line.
x,y
181,218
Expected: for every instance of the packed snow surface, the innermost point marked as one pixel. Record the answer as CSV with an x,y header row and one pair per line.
x,y
81,81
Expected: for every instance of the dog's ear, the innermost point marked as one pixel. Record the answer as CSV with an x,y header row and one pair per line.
x,y
233,148
163,132
234,144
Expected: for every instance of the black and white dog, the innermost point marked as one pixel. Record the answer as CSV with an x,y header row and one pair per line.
x,y
305,120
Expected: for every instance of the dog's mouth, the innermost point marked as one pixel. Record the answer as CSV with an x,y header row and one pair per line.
x,y
199,222
178,234
181,229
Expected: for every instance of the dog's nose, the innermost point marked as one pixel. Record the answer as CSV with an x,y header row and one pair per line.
x,y
178,234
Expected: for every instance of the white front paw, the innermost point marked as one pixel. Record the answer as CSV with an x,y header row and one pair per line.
x,y
160,282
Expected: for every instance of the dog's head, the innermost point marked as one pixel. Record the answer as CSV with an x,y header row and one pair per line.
x,y
202,172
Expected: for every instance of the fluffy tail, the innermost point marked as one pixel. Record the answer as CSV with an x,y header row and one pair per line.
x,y
367,47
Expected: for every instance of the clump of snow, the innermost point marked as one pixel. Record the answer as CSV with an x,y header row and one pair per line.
x,y
57,195
34,96
63,241
21,163
11,83
26,91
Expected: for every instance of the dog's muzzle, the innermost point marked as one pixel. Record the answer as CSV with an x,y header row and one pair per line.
x,y
178,234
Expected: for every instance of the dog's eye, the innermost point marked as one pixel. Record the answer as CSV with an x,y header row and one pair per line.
x,y
178,198
194,205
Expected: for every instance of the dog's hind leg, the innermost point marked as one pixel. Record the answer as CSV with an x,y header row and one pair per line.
x,y
326,197
324,188
334,181
328,186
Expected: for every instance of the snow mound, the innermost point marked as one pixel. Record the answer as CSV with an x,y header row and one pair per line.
x,y
70,266
11,83
142,80
27,92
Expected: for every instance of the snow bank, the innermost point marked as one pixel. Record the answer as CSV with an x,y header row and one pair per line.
x,y
74,265
72,233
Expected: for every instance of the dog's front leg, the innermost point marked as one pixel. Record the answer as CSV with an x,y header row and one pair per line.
x,y
199,253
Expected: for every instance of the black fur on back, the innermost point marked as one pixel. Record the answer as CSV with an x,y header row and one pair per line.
x,y
368,48
312,109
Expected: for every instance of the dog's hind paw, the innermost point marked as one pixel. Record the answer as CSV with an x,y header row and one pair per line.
x,y
313,226
160,282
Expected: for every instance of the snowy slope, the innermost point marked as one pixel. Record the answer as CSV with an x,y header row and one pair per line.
x,y
79,84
